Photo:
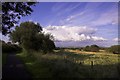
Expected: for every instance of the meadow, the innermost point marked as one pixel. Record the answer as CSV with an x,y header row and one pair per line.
x,y
69,63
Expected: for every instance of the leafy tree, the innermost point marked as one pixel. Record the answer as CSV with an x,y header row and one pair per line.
x,y
48,44
12,12
94,48
114,49
87,48
29,35
8,47
25,34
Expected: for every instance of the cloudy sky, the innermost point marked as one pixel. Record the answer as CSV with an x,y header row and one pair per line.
x,y
78,23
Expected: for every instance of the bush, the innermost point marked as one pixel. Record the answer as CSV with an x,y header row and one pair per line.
x,y
114,49
93,48
87,48
9,48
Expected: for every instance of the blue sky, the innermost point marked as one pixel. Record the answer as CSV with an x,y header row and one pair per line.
x,y
78,23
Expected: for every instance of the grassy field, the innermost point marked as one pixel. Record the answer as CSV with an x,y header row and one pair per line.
x,y
68,63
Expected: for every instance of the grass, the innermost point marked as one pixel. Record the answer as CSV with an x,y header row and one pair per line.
x,y
38,69
71,64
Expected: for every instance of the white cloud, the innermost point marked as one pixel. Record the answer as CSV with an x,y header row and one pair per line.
x,y
74,16
75,33
116,39
95,38
4,38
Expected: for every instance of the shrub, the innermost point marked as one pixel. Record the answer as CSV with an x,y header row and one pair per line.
x,y
114,49
93,48
9,48
87,48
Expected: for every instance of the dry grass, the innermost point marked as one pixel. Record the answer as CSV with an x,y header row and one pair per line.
x,y
77,56
74,63
77,51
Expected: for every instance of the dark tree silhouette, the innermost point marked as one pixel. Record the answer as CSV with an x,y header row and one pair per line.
x,y
87,48
9,47
93,48
115,49
29,35
12,12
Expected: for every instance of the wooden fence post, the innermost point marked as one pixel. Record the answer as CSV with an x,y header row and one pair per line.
x,y
81,63
92,64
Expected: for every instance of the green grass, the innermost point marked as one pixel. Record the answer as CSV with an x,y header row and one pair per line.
x,y
38,69
66,64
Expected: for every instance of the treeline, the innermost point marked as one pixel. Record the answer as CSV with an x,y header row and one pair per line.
x,y
95,48
114,49
9,47
30,37
91,48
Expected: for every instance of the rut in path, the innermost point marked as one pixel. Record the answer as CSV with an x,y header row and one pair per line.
x,y
15,69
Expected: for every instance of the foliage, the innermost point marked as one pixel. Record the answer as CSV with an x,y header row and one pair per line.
x,y
87,48
25,34
92,48
114,49
48,44
9,48
29,35
12,12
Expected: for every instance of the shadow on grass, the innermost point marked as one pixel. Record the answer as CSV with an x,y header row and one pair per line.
x,y
63,68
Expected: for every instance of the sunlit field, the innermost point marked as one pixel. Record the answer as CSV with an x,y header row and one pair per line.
x,y
68,63
60,40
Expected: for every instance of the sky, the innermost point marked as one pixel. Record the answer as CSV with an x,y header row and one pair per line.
x,y
75,24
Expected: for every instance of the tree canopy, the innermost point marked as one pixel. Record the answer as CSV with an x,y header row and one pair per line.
x,y
93,48
12,12
114,49
30,36
9,47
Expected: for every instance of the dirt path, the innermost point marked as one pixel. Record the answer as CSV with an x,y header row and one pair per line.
x,y
14,69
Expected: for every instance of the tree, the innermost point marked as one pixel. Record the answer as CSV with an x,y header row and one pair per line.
x,y
114,49
29,35
25,34
87,48
8,47
12,12
94,48
48,44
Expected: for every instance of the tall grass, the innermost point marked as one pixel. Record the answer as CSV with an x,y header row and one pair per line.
x,y
67,64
